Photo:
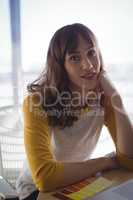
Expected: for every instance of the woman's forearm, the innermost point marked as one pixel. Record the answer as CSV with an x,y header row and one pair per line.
x,y
123,123
75,172
124,128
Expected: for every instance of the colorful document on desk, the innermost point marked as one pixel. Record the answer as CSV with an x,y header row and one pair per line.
x,y
84,190
123,191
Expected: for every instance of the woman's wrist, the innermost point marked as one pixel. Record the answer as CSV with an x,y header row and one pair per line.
x,y
110,163
116,101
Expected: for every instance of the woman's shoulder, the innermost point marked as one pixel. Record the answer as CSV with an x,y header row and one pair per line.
x,y
32,103
34,99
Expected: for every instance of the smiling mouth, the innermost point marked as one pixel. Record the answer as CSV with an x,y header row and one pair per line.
x,y
89,76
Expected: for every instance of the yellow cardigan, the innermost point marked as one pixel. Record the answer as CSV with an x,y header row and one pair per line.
x,y
43,166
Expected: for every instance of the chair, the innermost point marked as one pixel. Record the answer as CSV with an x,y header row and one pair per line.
x,y
12,151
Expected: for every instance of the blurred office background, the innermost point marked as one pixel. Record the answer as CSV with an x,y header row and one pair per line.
x,y
26,27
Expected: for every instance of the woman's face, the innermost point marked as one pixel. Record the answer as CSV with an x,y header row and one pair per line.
x,y
83,66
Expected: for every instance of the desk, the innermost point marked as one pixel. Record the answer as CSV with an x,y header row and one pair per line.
x,y
119,175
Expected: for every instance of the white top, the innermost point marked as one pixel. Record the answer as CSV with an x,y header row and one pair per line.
x,y
72,144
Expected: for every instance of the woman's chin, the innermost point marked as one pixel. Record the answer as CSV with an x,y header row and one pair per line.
x,y
89,85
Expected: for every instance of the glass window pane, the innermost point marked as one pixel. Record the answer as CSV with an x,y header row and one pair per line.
x,y
5,55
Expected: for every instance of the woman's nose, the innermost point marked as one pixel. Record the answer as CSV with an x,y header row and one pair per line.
x,y
87,65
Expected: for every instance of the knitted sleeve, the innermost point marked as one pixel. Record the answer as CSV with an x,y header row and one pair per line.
x,y
44,168
111,125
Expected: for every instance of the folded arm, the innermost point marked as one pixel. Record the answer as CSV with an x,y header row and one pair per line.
x,y
48,173
118,123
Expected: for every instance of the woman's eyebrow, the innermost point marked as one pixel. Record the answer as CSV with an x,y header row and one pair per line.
x,y
73,52
78,52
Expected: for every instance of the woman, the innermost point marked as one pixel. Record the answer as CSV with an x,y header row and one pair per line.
x,y
66,109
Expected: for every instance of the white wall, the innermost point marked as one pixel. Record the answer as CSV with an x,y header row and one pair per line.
x,y
110,20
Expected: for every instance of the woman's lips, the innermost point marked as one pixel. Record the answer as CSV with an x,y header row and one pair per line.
x,y
89,76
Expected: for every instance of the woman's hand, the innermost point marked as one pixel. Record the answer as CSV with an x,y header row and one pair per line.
x,y
112,163
105,85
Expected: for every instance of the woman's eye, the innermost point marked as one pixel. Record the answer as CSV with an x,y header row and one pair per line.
x,y
75,58
91,52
